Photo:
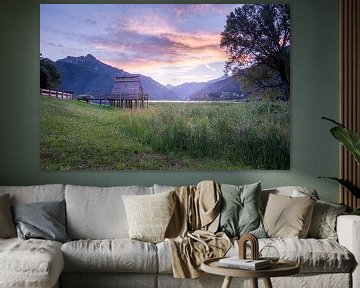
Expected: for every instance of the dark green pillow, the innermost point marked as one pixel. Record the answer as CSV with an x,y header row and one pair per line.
x,y
240,213
43,220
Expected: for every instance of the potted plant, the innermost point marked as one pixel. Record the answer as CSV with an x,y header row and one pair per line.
x,y
351,141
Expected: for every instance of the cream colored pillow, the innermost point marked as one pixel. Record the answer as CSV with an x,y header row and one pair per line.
x,y
149,215
288,217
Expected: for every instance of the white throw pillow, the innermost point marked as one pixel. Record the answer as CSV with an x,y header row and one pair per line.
x,y
149,215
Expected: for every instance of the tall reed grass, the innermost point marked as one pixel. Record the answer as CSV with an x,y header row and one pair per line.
x,y
212,135
252,135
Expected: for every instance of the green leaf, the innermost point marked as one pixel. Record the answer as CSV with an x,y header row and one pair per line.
x,y
349,139
348,185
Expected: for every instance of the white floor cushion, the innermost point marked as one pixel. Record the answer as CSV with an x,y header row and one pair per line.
x,y
30,263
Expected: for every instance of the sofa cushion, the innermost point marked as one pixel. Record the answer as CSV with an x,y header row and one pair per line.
x,y
149,215
98,213
287,216
323,222
43,220
313,255
240,212
7,226
116,255
36,193
30,263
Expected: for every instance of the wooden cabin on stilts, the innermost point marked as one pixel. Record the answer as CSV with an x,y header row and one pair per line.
x,y
128,93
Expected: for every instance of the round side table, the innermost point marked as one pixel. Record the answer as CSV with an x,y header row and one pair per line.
x,y
281,268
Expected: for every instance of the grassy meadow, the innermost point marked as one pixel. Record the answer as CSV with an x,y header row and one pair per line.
x,y
166,136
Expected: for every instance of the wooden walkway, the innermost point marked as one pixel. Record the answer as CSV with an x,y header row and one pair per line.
x,y
119,101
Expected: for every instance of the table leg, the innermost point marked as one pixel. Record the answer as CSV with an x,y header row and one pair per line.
x,y
267,283
254,282
227,282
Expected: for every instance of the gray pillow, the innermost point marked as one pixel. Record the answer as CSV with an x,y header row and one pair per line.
x,y
240,213
44,220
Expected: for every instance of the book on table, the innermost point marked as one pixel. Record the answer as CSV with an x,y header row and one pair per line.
x,y
249,264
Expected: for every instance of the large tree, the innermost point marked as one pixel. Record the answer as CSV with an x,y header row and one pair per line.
x,y
50,77
259,35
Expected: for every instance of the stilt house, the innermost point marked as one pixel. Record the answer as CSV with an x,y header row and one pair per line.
x,y
128,92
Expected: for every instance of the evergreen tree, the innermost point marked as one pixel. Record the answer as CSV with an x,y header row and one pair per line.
x,y
50,77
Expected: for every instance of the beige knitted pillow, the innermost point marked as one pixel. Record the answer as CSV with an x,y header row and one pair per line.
x,y
149,215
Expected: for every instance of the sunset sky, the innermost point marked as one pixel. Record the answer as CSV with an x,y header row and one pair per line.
x,y
171,43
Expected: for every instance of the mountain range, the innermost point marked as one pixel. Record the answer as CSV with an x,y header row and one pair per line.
x,y
86,74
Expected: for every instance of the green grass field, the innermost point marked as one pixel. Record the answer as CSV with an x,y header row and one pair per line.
x,y
166,136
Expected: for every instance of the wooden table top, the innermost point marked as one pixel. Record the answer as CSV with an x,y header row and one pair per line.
x,y
281,268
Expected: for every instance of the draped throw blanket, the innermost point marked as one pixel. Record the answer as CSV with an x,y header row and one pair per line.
x,y
191,232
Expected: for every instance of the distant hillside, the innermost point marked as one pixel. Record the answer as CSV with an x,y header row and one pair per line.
x,y
223,89
185,90
197,90
86,74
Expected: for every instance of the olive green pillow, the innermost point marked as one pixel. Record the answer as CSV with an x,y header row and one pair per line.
x,y
288,217
240,213
7,226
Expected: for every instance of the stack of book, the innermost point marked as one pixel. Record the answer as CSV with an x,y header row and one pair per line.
x,y
248,264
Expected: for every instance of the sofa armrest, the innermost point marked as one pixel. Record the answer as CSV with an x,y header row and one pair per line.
x,y
348,230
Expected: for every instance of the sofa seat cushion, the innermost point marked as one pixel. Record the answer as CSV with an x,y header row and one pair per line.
x,y
30,263
313,255
115,255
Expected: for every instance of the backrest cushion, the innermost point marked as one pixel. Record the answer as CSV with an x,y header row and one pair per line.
x,y
291,191
163,188
36,193
98,212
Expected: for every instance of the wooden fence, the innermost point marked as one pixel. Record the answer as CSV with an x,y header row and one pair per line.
x,y
57,94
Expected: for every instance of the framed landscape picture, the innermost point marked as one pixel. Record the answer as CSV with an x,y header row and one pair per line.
x,y
165,86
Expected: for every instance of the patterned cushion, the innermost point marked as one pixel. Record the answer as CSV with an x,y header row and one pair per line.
x,y
323,223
